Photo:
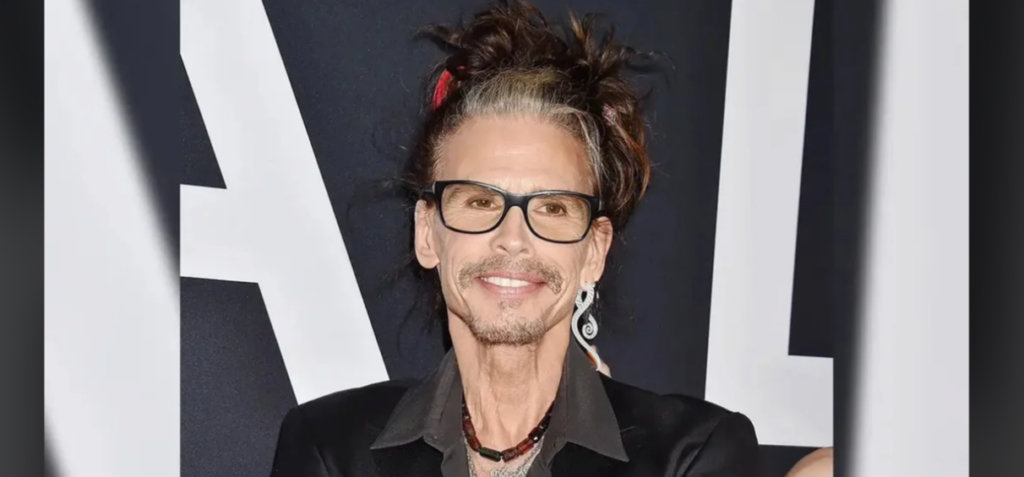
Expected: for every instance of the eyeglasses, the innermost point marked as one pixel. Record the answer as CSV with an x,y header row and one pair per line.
x,y
476,208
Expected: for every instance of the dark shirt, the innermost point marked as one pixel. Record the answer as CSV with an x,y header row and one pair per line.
x,y
581,415
599,427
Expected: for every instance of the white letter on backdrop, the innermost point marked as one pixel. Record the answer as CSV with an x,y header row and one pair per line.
x,y
789,398
274,224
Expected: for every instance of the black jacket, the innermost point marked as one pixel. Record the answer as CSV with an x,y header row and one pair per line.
x,y
601,428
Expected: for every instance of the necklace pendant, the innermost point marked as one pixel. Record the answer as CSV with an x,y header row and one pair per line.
x,y
490,454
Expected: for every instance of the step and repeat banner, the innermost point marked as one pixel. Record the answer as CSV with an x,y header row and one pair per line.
x,y
293,113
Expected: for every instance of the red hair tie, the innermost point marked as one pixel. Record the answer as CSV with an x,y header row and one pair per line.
x,y
441,90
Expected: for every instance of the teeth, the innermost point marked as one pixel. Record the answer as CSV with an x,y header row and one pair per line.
x,y
506,282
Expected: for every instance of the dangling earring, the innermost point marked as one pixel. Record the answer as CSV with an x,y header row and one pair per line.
x,y
585,297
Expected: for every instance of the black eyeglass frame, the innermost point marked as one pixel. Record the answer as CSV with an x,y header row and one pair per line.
x,y
436,191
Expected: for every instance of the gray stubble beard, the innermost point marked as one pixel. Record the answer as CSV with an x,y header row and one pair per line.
x,y
510,330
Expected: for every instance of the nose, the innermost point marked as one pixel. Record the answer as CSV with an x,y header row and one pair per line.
x,y
513,235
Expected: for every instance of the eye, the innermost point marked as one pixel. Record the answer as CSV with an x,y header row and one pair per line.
x,y
481,203
553,209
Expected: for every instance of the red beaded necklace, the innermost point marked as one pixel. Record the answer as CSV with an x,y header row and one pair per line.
x,y
512,452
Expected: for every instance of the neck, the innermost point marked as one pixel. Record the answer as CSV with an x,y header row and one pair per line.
x,y
508,389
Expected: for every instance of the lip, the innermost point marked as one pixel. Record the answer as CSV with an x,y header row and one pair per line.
x,y
536,283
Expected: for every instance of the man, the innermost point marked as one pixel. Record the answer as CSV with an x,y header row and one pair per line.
x,y
531,156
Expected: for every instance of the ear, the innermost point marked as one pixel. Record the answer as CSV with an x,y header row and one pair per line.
x,y
597,250
424,242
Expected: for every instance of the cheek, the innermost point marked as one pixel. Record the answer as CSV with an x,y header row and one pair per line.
x,y
456,250
570,261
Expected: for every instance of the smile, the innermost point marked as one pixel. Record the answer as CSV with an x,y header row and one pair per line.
x,y
511,285
507,282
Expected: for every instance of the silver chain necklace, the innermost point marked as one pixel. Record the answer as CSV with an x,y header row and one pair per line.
x,y
508,471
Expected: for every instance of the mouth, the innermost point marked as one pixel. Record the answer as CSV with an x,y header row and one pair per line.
x,y
511,284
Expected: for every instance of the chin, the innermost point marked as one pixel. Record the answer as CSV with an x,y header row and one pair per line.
x,y
498,327
508,335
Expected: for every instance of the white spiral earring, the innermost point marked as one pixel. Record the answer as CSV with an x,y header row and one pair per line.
x,y
585,297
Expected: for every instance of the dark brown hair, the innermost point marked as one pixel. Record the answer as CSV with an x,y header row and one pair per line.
x,y
509,60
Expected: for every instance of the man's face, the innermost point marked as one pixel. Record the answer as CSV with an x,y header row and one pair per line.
x,y
508,285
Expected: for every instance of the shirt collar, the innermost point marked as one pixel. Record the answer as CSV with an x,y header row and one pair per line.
x,y
582,413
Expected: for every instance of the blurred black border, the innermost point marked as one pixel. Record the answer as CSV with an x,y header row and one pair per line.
x,y
21,237
856,33
996,236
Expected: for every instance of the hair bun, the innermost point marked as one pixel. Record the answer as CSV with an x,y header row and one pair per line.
x,y
515,35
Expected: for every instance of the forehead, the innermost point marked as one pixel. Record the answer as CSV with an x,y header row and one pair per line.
x,y
515,153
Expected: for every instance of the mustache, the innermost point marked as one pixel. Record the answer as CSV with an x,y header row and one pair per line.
x,y
498,263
